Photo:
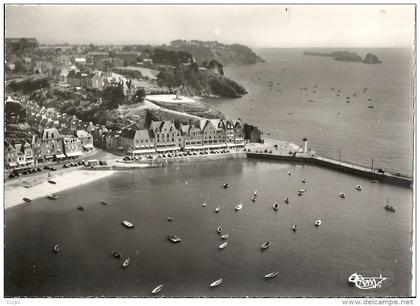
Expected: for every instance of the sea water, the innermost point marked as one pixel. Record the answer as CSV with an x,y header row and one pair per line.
x,y
356,235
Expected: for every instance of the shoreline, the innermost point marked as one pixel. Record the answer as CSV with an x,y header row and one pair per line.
x,y
37,186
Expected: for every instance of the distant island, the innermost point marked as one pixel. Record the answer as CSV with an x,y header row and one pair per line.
x,y
347,56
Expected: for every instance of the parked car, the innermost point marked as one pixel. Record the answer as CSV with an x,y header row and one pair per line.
x,y
102,163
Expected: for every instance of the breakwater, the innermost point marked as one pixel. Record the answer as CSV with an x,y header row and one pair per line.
x,y
374,174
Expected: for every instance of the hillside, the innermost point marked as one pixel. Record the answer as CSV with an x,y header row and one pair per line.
x,y
225,54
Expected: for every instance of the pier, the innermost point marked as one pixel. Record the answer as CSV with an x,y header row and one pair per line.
x,y
370,173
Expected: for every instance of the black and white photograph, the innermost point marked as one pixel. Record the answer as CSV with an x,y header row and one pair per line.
x,y
209,150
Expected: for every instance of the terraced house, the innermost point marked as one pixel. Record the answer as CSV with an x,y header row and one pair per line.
x,y
137,142
166,136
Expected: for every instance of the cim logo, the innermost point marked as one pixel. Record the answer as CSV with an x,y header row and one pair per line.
x,y
366,282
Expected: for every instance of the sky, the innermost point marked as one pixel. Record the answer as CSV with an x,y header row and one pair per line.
x,y
252,25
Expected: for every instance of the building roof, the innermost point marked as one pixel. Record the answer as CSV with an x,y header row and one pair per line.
x,y
82,134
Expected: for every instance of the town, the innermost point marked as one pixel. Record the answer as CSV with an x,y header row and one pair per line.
x,y
54,136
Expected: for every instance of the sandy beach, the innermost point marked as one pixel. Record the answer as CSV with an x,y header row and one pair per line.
x,y
37,186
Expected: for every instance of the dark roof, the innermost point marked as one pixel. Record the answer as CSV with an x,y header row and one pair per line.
x,y
128,133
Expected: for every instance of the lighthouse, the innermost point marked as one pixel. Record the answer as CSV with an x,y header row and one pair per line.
x,y
305,145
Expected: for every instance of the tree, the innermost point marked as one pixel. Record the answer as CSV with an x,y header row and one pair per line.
x,y
139,95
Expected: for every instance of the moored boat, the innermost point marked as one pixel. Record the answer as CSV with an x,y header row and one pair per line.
x,y
127,224
223,245
265,245
286,200
276,206
27,200
318,223
116,255
216,283
358,187
174,239
342,195
389,207
253,198
217,209
226,186
271,275
219,229
226,236
126,263
52,182
157,289
238,207
52,197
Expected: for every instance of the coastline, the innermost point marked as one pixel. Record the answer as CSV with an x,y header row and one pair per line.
x,y
38,186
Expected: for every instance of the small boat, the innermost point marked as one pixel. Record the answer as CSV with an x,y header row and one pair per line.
x,y
127,224
52,182
276,206
374,181
358,187
219,229
255,193
170,219
302,190
294,228
223,245
317,222
226,186
217,209
304,181
116,255
56,248
225,236
371,106
286,200
174,238
342,195
253,199
104,203
265,245
157,289
216,283
126,263
80,208
204,204
289,172
238,207
389,207
27,200
271,275
52,197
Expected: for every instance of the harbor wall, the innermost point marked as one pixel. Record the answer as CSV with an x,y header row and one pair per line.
x,y
343,167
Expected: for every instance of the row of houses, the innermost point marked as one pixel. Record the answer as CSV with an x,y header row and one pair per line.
x,y
166,136
48,146
94,80
57,136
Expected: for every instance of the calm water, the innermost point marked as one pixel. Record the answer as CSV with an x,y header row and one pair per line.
x,y
384,133
356,234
